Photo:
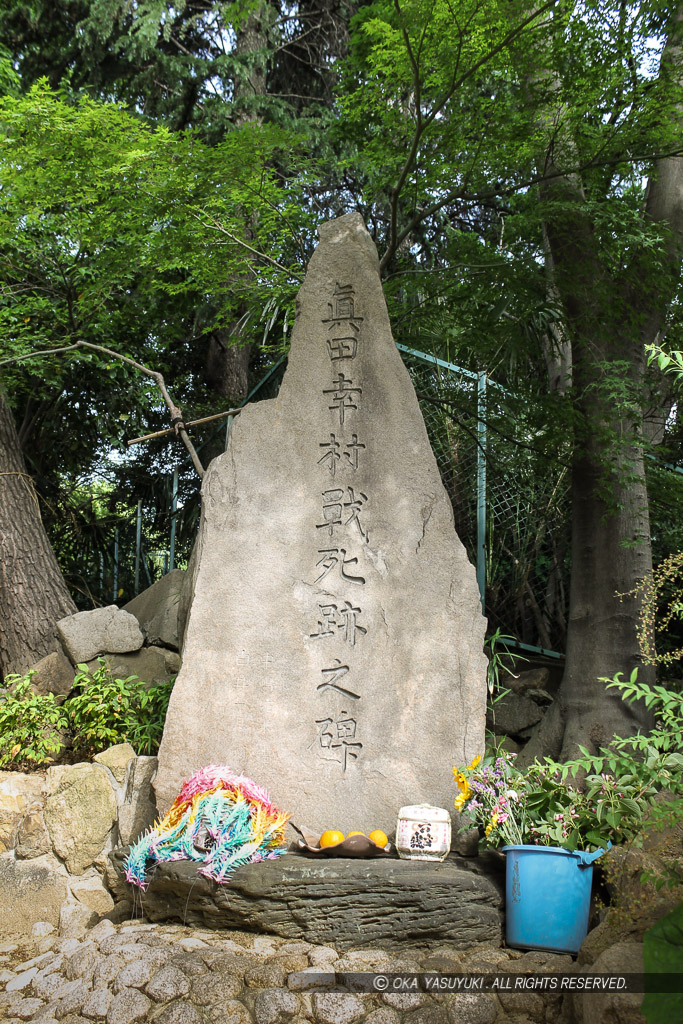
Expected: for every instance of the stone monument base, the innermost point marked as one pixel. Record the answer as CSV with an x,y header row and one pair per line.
x,y
345,903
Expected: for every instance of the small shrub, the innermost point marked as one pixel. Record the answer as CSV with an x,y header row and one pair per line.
x,y
105,711
29,724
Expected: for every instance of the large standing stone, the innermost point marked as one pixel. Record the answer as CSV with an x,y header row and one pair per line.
x,y
156,609
80,811
87,634
17,792
137,810
53,674
334,650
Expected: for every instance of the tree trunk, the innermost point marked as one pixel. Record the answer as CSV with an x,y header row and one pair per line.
x,y
33,594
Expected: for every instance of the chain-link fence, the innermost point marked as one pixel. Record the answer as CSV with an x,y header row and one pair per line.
x,y
510,498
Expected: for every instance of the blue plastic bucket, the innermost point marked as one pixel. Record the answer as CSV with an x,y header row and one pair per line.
x,y
547,897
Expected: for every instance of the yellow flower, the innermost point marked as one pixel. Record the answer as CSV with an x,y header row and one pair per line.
x,y
462,797
475,762
460,779
492,824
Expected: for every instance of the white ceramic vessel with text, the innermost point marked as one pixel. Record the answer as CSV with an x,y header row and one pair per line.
x,y
423,832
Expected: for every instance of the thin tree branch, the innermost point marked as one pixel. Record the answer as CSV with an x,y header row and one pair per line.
x,y
176,413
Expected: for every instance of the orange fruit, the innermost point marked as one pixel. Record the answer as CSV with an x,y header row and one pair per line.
x,y
331,837
378,837
355,834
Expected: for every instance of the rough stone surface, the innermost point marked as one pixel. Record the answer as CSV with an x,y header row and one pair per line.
x,y
156,609
17,792
32,839
116,759
90,891
335,640
74,919
31,890
53,674
513,713
273,1005
87,634
150,664
138,809
169,983
127,1007
336,901
79,813
613,1007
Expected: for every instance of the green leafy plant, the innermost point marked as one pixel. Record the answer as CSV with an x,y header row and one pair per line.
x,y
29,724
663,954
586,802
108,710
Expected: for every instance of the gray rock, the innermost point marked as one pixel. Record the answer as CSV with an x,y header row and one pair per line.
x,y
471,1008
609,1007
372,683
80,811
87,634
128,1006
383,1015
116,759
96,1006
101,931
21,980
89,890
215,989
83,964
31,890
179,1012
156,609
32,839
321,956
136,974
27,1008
54,986
231,1012
107,969
149,664
169,983
53,674
404,1000
513,713
74,920
138,810
337,1007
17,794
269,975
274,1005
73,1000
385,901
429,1014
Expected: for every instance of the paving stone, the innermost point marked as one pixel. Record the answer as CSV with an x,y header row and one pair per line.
x,y
66,946
191,943
190,964
274,1005
230,1012
97,1004
21,981
319,956
169,983
529,1003
127,1007
471,1008
404,1000
102,930
116,943
74,1018
107,969
155,956
83,963
50,986
152,939
36,961
383,1015
233,963
207,991
27,1008
429,1014
291,961
73,1000
337,1007
268,975
179,1012
133,975
296,947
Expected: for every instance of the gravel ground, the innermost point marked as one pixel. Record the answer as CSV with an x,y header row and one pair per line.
x,y
171,974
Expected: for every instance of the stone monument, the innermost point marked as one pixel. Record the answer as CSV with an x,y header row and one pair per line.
x,y
334,648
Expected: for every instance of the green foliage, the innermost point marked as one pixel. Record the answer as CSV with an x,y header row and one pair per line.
x,y
591,800
663,954
29,724
107,711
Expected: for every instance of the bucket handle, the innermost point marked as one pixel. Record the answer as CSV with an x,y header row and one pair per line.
x,y
588,858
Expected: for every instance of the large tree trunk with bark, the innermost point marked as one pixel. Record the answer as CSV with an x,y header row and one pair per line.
x,y
610,317
33,594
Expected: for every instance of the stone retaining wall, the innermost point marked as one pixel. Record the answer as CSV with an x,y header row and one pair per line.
x,y
57,829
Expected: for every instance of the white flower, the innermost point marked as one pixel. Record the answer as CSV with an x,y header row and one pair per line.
x,y
512,794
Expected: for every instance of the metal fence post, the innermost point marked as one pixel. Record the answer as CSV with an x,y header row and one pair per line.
x,y
481,487
174,509
138,543
116,564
